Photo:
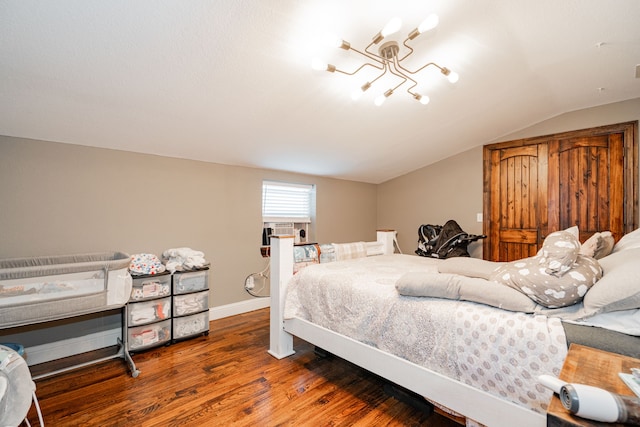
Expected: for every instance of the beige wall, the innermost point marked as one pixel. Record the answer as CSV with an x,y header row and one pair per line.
x,y
618,112
61,198
449,189
452,188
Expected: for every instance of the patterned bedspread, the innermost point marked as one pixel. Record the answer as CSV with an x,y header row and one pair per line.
x,y
495,350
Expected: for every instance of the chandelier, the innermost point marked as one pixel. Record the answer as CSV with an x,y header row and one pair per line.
x,y
387,61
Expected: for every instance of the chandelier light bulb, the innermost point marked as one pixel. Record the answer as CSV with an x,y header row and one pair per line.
x,y
342,44
318,64
423,99
451,75
429,23
331,40
392,26
380,99
356,94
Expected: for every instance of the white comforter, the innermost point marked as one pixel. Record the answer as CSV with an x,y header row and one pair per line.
x,y
495,350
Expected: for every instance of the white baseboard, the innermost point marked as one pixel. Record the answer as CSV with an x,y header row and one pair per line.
x,y
56,350
238,308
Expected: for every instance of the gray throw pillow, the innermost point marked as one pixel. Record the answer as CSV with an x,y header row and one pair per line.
x,y
599,245
557,277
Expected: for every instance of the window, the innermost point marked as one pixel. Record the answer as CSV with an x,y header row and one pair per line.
x,y
286,202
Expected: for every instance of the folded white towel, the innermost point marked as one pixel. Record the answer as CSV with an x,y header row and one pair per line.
x,y
179,259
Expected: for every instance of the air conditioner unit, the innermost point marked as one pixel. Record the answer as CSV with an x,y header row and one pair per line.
x,y
281,228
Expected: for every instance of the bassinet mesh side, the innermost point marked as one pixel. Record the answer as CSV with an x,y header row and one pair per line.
x,y
46,311
18,268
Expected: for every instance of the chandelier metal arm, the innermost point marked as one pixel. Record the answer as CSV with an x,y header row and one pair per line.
x,y
408,47
404,76
375,58
381,74
358,69
422,68
370,54
400,74
415,95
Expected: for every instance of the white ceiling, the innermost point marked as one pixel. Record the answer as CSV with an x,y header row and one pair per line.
x,y
229,81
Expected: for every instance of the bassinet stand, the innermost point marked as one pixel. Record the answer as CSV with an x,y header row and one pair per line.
x,y
473,403
121,353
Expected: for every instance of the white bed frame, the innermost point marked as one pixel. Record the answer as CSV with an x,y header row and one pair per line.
x,y
473,403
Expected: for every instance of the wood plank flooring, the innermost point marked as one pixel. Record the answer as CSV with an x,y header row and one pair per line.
x,y
225,378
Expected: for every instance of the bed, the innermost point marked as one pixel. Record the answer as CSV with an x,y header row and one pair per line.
x,y
459,352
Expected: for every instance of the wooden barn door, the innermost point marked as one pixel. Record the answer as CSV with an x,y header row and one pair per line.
x,y
535,186
587,181
518,201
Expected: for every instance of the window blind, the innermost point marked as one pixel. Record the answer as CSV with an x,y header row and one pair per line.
x,y
282,201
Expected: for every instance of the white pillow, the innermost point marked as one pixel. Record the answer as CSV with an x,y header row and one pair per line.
x,y
619,287
624,321
628,241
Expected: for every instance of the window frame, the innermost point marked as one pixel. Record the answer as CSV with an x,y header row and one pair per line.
x,y
298,194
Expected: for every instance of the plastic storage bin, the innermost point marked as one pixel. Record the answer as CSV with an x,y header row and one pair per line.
x,y
142,313
190,281
187,326
146,336
150,287
190,303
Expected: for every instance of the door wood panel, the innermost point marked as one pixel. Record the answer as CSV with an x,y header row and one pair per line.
x,y
517,213
590,184
535,186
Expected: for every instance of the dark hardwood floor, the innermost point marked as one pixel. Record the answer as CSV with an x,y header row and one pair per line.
x,y
225,378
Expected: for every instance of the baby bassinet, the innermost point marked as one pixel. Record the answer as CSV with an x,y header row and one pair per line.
x,y
42,289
